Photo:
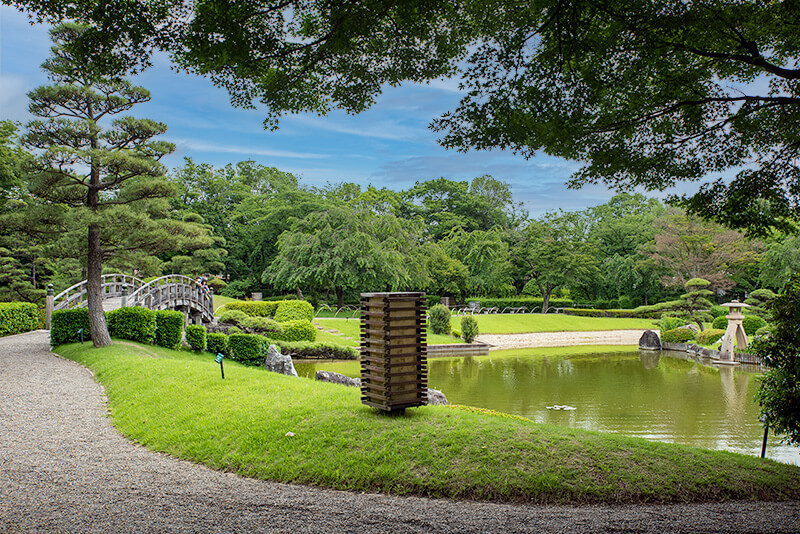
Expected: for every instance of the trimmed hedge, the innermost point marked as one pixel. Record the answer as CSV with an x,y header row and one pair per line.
x,y
469,328
233,317
294,310
134,323
254,309
584,312
216,343
249,349
710,336
439,320
678,335
196,337
65,324
18,317
752,323
260,325
298,330
518,302
308,349
169,328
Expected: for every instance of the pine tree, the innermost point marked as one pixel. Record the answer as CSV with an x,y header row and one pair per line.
x,y
107,173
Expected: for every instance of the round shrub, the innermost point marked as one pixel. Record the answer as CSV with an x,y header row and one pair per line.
x,y
260,325
18,317
134,323
249,349
678,335
169,328
718,311
439,320
233,317
469,328
298,330
751,323
254,309
710,336
294,310
216,343
196,337
720,322
65,324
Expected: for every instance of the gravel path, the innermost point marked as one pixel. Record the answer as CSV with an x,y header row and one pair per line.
x,y
63,468
562,339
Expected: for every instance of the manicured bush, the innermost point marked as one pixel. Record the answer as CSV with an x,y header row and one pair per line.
x,y
763,331
260,325
636,313
249,349
134,323
751,323
216,344
298,330
294,310
469,328
65,324
217,284
710,336
308,349
233,317
720,322
439,320
518,302
18,317
670,323
678,335
254,309
169,328
718,311
196,337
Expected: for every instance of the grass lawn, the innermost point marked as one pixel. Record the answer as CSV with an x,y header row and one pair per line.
x,y
352,328
521,323
176,403
220,301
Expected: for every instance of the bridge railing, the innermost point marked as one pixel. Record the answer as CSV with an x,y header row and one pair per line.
x,y
172,291
75,296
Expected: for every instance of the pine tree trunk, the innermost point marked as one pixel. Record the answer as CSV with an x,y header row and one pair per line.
x,y
94,288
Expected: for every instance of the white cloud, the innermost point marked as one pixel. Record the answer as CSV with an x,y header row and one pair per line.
x,y
192,145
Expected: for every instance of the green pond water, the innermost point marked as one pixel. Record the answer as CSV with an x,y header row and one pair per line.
x,y
658,397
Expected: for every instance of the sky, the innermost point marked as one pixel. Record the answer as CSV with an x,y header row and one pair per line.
x,y
390,145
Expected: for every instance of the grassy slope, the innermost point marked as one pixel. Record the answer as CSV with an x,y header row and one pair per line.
x,y
178,404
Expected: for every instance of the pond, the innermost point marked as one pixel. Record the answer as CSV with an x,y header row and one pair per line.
x,y
665,397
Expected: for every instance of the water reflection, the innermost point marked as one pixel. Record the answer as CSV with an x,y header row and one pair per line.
x,y
666,397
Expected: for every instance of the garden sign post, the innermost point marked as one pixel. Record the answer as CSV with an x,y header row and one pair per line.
x,y
394,360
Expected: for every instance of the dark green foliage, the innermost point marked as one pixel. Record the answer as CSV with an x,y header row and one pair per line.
x,y
249,349
718,311
216,343
779,392
678,335
757,300
196,337
255,309
134,323
720,322
298,330
293,310
668,322
635,313
516,302
65,324
710,336
469,328
764,331
439,320
308,349
233,317
260,325
169,328
18,317
751,323
216,284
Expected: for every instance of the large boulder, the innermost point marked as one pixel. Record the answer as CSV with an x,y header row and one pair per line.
x,y
436,397
649,341
336,378
279,363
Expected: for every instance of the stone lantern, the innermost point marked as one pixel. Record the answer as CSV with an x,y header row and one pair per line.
x,y
734,334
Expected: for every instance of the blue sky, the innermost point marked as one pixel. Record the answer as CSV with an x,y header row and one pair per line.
x,y
389,145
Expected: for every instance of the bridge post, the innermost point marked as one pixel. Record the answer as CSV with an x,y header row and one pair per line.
x,y
49,306
124,298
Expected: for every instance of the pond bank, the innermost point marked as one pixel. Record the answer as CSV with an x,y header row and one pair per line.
x,y
561,339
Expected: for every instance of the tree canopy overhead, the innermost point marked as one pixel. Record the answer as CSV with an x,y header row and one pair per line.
x,y
646,93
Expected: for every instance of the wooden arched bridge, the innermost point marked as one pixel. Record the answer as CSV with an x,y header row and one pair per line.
x,y
171,292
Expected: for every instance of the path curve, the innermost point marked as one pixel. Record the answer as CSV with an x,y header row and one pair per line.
x,y
64,468
561,339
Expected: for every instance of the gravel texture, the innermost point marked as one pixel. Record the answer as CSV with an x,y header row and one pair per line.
x,y
561,339
64,468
